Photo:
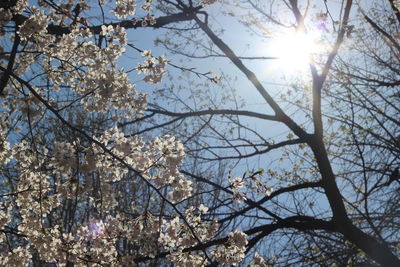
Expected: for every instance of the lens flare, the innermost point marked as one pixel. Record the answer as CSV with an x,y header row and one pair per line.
x,y
294,50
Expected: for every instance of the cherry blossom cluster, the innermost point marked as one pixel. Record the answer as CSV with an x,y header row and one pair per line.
x,y
107,87
233,251
36,24
207,2
96,240
63,203
73,60
258,261
252,181
179,234
124,8
4,144
154,67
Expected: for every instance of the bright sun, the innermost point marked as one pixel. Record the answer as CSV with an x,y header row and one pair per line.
x,y
294,50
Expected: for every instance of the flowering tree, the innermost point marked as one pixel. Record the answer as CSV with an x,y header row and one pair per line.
x,y
83,183
332,130
59,198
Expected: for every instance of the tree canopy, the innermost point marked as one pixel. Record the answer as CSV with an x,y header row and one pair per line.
x,y
199,133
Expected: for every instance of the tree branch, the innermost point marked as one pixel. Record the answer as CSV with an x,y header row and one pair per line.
x,y
127,24
280,114
209,112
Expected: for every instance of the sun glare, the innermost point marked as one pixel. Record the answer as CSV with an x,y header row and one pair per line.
x,y
294,50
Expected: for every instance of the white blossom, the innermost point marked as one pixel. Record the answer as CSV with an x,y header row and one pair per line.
x,y
258,261
204,3
233,251
124,8
36,24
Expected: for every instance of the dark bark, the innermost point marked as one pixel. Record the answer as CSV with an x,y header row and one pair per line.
x,y
377,251
127,24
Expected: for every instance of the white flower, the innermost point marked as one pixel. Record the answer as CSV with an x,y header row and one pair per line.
x,y
34,25
203,209
237,183
258,261
233,251
204,3
106,30
124,8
